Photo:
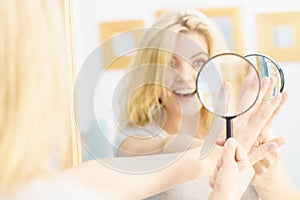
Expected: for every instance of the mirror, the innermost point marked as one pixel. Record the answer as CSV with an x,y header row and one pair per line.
x,y
268,67
88,16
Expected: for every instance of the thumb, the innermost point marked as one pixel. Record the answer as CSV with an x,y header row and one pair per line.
x,y
241,154
229,150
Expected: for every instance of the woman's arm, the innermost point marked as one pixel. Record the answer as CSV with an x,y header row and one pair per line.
x,y
127,185
124,178
143,176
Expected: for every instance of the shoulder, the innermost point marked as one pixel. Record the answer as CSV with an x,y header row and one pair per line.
x,y
145,131
150,131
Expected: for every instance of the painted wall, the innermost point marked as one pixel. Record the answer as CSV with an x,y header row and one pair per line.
x,y
88,14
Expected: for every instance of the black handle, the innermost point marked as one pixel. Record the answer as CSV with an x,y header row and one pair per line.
x,y
228,127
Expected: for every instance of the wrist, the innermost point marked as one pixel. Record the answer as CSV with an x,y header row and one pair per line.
x,y
279,186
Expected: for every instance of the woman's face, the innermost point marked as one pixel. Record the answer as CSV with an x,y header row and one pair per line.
x,y
190,53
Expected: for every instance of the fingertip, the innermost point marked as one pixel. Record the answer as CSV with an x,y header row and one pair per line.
x,y
273,79
272,146
265,79
230,143
284,140
279,141
278,96
229,148
284,92
221,142
285,95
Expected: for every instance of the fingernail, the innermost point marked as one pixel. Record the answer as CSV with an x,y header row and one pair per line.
x,y
266,79
278,96
230,142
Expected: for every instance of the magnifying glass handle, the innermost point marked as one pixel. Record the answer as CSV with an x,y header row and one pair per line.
x,y
228,127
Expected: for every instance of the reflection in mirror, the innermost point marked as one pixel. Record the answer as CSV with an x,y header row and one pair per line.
x,y
267,67
99,142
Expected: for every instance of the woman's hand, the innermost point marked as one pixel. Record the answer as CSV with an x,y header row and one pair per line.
x,y
271,180
248,126
233,173
232,177
266,169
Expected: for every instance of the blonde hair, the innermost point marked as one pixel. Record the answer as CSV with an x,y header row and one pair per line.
x,y
142,106
35,91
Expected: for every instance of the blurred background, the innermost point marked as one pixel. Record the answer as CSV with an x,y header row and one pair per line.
x,y
271,27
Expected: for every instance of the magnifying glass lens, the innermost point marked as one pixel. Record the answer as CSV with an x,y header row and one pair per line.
x,y
267,67
228,85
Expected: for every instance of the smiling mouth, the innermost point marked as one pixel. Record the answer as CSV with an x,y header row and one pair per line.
x,y
186,92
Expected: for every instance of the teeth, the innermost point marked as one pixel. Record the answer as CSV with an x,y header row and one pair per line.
x,y
184,91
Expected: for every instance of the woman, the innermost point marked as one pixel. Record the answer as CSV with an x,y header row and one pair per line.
x,y
36,118
160,112
36,92
159,90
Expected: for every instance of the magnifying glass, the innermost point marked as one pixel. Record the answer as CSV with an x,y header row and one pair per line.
x,y
268,67
227,85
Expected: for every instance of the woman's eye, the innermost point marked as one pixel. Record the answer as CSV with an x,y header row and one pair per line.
x,y
198,64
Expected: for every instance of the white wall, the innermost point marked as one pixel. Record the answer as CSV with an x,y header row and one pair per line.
x,y
88,14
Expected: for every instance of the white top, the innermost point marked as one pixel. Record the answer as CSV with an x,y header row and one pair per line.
x,y
198,189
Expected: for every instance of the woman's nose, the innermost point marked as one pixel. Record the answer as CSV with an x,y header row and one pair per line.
x,y
186,72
